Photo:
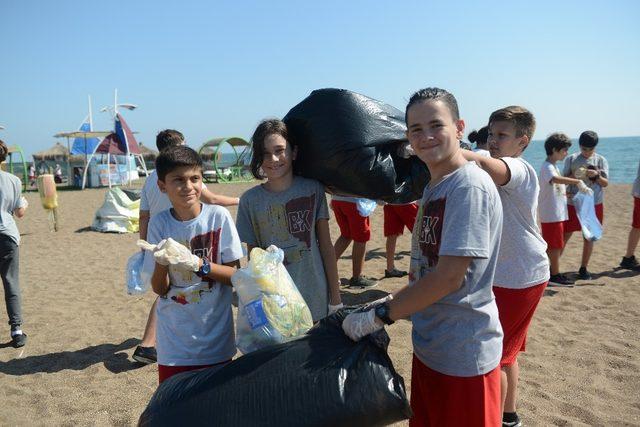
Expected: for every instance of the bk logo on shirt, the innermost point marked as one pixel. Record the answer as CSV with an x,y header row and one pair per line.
x,y
430,231
299,221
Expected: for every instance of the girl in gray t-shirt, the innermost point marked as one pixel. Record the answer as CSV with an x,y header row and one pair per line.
x,y
290,212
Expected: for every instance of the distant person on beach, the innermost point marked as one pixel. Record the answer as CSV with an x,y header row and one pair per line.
x,y
194,319
479,137
396,218
32,175
152,202
456,333
354,228
552,203
12,205
523,268
57,177
593,170
290,212
629,260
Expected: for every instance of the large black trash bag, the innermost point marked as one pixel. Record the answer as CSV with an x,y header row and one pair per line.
x,y
349,142
321,379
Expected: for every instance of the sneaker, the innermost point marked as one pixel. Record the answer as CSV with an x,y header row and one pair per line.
x,y
394,273
560,280
362,282
18,340
514,420
146,355
583,274
630,263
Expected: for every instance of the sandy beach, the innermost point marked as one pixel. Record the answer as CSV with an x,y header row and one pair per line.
x,y
582,365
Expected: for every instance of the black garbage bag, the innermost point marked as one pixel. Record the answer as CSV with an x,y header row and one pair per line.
x,y
321,379
349,142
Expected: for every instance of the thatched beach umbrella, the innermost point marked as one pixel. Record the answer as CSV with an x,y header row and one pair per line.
x,y
56,153
148,154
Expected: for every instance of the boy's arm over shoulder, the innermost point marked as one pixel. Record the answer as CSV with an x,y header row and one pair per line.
x,y
496,168
211,198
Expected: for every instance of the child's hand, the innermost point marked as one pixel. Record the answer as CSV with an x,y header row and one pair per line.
x,y
155,249
177,255
170,252
334,308
358,325
583,188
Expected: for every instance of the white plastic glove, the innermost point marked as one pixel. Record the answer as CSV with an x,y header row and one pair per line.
x,y
146,246
170,252
334,308
23,202
583,188
358,325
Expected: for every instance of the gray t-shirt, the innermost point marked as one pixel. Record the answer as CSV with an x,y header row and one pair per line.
x,y
195,323
636,183
523,261
576,160
10,191
288,219
460,334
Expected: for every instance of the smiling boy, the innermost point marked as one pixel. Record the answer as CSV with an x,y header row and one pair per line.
x,y
195,324
457,339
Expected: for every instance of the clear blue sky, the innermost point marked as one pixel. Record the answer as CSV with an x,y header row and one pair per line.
x,y
216,68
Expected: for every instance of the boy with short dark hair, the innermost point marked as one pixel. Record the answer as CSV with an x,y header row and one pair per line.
x,y
522,272
152,202
593,170
552,203
457,339
194,320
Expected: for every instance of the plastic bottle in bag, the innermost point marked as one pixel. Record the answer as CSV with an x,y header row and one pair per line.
x,y
137,282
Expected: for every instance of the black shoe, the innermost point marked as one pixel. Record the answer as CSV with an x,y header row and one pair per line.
x,y
146,355
362,282
18,340
583,274
511,419
630,263
560,280
394,273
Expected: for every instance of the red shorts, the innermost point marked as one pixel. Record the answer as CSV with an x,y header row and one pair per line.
x,y
396,217
636,213
553,234
573,224
515,309
444,400
166,372
352,225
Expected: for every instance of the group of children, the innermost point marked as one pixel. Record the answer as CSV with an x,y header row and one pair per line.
x,y
478,268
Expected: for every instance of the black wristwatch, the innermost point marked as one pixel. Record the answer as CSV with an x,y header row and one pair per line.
x,y
204,269
382,313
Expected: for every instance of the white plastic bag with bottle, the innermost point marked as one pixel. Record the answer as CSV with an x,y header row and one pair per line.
x,y
270,307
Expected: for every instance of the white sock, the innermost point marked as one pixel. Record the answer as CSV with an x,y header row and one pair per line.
x,y
16,332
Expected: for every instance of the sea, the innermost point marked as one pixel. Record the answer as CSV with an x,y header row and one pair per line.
x,y
622,153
